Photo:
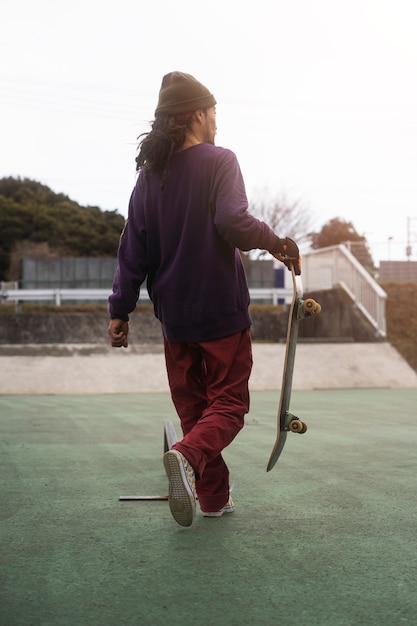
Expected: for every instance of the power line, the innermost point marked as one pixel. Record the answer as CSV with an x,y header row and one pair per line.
x,y
70,98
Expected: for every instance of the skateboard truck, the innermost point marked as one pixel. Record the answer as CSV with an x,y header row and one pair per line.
x,y
294,424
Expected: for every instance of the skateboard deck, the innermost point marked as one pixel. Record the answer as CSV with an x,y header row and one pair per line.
x,y
170,437
286,421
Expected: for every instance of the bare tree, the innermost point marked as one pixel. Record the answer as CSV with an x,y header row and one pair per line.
x,y
287,218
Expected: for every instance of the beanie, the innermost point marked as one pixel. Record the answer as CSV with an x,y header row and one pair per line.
x,y
182,93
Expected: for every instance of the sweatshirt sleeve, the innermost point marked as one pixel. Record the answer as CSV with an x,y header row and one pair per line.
x,y
132,267
231,216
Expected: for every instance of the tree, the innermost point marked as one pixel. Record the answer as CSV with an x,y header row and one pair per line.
x,y
287,218
34,217
338,231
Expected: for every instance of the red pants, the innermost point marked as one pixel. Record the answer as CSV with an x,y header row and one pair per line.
x,y
209,388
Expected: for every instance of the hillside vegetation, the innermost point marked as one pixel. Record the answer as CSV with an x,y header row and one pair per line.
x,y
35,221
402,319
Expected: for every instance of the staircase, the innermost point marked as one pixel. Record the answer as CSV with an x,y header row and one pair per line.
x,y
335,266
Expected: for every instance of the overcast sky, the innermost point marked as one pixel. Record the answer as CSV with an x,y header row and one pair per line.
x,y
318,99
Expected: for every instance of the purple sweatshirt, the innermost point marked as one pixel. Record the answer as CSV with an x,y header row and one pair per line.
x,y
185,241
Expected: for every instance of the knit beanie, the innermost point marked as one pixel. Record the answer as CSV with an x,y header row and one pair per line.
x,y
182,93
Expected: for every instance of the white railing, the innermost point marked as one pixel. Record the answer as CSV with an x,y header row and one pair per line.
x,y
58,296
55,295
335,266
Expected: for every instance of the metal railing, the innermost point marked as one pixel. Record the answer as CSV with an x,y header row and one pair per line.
x,y
58,296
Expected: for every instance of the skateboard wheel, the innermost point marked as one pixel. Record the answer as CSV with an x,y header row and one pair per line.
x,y
295,426
311,307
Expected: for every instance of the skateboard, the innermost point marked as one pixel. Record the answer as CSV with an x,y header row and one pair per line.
x,y
170,437
286,421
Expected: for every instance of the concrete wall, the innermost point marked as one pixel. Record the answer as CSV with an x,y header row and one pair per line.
x,y
338,321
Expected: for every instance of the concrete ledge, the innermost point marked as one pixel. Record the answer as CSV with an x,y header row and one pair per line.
x,y
75,349
84,369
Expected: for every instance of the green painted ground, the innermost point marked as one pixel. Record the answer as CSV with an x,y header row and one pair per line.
x,y
327,538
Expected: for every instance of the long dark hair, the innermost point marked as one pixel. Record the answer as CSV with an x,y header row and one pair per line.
x,y
157,147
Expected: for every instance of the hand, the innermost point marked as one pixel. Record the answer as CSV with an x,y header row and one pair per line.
x,y
288,253
118,331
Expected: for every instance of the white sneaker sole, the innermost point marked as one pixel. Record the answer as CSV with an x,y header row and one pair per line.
x,y
227,509
181,499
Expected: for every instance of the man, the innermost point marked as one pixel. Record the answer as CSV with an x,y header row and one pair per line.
x,y
188,219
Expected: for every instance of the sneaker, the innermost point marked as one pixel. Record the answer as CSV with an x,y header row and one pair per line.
x,y
181,498
228,508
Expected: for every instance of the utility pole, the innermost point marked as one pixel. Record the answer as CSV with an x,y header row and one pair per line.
x,y
408,250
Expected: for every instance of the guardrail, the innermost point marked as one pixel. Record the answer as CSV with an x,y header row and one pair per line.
x,y
58,295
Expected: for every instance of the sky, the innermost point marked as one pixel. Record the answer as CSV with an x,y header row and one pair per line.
x,y
317,98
